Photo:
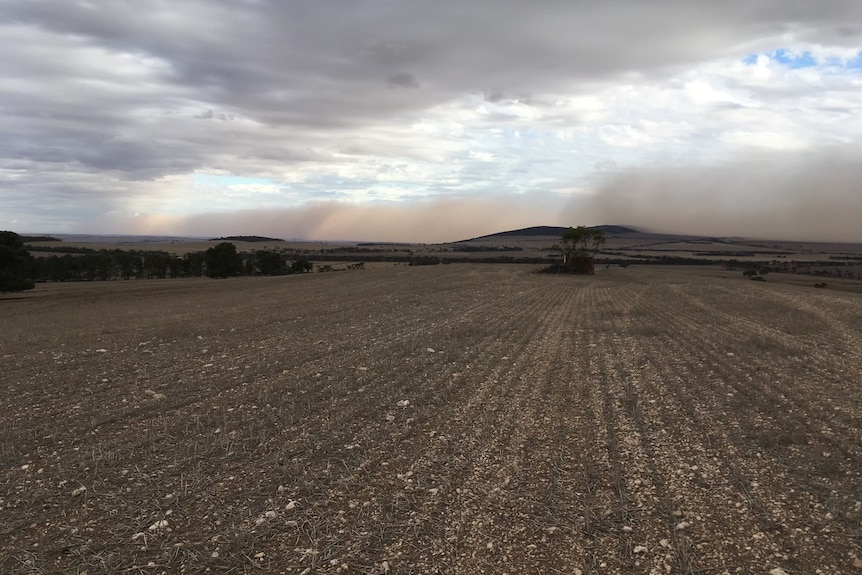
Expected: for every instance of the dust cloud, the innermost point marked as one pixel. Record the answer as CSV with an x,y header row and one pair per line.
x,y
425,221
805,197
811,197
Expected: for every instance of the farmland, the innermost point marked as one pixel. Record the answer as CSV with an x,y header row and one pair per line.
x,y
456,419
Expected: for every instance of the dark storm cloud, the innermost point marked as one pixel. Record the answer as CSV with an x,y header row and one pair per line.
x,y
267,56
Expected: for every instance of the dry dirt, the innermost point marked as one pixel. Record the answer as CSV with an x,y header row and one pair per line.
x,y
446,419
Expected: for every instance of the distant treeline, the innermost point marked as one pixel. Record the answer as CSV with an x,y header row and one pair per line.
x,y
87,264
40,239
119,264
471,248
362,250
61,249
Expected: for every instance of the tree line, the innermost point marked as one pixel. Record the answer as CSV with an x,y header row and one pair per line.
x,y
19,269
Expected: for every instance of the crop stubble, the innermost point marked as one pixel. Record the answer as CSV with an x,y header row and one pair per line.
x,y
449,419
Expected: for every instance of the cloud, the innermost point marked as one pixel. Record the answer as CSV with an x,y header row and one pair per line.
x,y
112,108
403,80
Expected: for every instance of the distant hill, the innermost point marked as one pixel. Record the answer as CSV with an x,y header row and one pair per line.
x,y
246,239
555,231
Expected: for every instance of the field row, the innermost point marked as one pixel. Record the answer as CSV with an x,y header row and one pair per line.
x,y
450,419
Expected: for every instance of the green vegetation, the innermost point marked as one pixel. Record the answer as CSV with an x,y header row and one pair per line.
x,y
581,242
40,239
223,261
16,263
301,266
425,261
270,263
579,246
87,264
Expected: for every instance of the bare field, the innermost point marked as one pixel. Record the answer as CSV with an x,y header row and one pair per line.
x,y
445,419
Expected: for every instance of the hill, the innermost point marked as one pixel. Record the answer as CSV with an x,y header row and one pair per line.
x,y
556,231
251,239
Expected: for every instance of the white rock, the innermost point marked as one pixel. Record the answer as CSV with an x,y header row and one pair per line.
x,y
640,549
430,350
778,571
403,403
161,524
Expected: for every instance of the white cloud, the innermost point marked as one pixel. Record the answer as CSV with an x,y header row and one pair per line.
x,y
113,110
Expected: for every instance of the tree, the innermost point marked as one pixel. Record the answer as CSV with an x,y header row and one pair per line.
x,y
157,264
16,263
581,242
579,245
301,266
270,263
222,261
193,264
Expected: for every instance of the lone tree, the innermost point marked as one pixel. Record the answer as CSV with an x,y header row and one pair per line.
x,y
222,261
16,263
301,266
579,246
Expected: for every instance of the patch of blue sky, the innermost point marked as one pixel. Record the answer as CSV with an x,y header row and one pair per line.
x,y
788,58
794,60
854,63
805,59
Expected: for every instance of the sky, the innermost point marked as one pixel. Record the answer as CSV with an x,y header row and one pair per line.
x,y
430,121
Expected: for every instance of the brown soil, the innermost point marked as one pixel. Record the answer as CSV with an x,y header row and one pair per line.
x,y
447,419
